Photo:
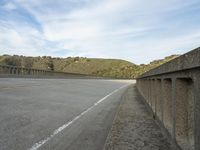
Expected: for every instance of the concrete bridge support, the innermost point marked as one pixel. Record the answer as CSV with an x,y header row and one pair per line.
x,y
173,94
174,106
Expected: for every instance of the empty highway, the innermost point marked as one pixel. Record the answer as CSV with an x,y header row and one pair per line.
x,y
57,114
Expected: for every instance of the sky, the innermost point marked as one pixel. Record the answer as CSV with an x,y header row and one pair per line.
x,y
135,30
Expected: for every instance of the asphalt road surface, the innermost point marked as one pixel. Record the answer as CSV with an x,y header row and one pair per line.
x,y
57,114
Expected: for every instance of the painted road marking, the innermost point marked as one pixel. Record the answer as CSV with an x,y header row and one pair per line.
x,y
58,130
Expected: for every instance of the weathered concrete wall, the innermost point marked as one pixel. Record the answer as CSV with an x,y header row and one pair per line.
x,y
12,71
173,93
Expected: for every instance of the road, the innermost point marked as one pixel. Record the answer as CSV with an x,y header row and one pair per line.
x,y
57,114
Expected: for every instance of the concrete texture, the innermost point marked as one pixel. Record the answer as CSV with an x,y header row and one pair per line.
x,y
14,72
167,105
176,103
179,98
187,61
159,101
32,109
134,127
184,113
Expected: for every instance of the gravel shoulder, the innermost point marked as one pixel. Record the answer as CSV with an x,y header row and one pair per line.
x,y
134,128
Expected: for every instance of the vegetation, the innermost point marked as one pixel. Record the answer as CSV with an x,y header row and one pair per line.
x,y
114,68
156,63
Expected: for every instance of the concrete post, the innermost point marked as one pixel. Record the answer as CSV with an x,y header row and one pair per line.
x,y
154,96
149,92
162,100
158,98
33,70
173,109
184,104
23,71
29,71
1,69
151,95
19,71
197,110
10,70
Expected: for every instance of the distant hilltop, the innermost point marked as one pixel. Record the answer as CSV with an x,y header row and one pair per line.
x,y
114,68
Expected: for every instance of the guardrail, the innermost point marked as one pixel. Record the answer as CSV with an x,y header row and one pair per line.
x,y
13,71
172,91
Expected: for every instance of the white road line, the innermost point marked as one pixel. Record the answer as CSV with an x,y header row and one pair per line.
x,y
58,130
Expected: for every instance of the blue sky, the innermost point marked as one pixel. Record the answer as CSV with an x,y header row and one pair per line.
x,y
134,30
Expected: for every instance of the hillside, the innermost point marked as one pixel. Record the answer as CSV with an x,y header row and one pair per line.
x,y
156,63
115,68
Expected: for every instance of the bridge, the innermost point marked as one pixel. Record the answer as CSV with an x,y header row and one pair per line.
x,y
14,71
43,109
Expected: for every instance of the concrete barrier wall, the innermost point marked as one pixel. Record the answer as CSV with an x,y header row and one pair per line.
x,y
172,91
12,71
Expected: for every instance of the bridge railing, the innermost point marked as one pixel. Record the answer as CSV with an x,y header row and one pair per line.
x,y
6,70
172,91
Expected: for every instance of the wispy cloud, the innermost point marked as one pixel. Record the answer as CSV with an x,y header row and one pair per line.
x,y
136,30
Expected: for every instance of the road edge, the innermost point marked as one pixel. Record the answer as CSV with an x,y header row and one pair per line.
x,y
117,111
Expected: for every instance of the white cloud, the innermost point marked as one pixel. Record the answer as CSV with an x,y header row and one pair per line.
x,y
13,42
137,30
9,6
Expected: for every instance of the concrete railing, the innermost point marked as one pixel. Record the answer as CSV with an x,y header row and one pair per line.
x,y
13,71
172,91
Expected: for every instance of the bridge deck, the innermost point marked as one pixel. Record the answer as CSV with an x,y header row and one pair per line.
x,y
74,114
57,114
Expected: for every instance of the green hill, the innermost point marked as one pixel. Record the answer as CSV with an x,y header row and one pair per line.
x,y
156,63
114,68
